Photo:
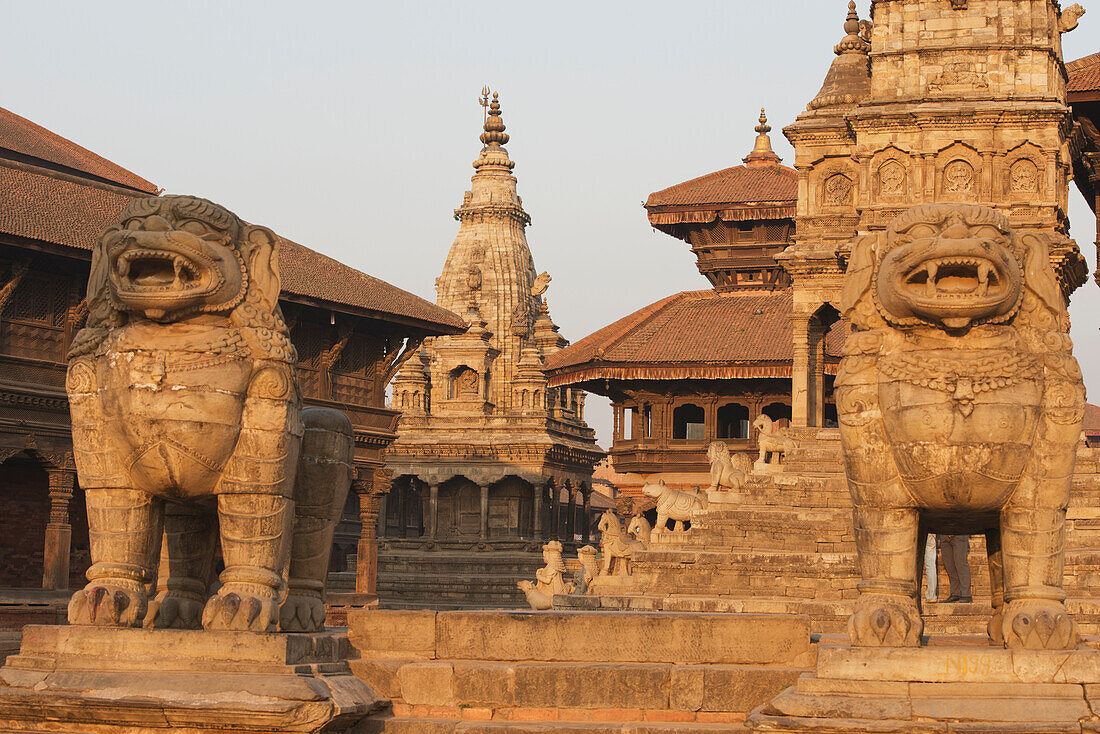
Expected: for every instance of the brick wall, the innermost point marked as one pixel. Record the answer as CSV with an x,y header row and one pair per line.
x,y
24,512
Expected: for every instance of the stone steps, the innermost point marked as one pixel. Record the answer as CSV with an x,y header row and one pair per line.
x,y
417,579
544,721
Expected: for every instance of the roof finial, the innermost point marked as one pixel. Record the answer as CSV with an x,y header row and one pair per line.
x,y
494,126
858,40
762,153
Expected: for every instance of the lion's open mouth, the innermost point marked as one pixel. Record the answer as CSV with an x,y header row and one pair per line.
x,y
156,270
959,277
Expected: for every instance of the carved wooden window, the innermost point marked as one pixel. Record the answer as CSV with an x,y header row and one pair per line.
x,y
33,321
353,374
689,422
776,231
733,421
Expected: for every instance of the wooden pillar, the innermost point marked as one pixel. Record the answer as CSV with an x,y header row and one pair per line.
x,y
586,493
371,487
555,510
383,519
536,512
403,510
571,513
433,511
484,534
800,373
55,559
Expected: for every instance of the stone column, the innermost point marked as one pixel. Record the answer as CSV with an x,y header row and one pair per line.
x,y
55,557
536,512
484,534
817,380
800,371
433,511
383,503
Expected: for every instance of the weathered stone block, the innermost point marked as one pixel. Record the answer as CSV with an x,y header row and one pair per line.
x,y
430,683
384,633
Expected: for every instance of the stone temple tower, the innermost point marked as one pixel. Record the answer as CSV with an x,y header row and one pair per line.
x,y
487,457
928,101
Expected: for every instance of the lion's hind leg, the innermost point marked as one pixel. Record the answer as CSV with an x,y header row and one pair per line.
x,y
321,487
186,567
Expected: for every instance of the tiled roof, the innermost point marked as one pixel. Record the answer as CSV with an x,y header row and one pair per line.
x,y
737,185
1092,420
1084,74
27,139
63,210
695,334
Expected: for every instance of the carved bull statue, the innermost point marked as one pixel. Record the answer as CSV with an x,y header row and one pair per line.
x,y
187,420
960,407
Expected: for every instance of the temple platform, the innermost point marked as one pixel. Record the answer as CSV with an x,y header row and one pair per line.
x,y
108,681
952,685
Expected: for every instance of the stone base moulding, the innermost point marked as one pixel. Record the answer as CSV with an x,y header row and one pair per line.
x,y
85,679
942,689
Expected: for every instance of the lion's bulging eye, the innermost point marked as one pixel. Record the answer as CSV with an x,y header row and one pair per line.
x,y
195,227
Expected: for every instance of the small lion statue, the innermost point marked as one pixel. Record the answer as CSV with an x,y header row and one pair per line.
x,y
960,407
549,580
724,473
187,421
674,504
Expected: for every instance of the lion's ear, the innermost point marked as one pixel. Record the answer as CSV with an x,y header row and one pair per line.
x,y
1039,275
263,262
861,269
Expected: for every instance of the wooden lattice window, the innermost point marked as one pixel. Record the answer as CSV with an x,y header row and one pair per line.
x,y
40,298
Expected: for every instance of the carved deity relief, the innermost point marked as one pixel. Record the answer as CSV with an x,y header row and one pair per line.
x,y
466,384
838,190
958,178
960,405
183,386
1024,177
892,178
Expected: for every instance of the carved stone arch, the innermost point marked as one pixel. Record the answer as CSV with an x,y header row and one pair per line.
x,y
464,383
959,173
1023,172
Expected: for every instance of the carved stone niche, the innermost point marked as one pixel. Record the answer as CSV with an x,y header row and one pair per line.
x,y
890,180
1023,173
958,169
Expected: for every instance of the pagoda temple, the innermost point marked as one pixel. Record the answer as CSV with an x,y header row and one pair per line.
x,y
699,366
490,461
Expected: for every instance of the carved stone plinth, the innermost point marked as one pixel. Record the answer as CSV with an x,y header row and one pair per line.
x,y
91,679
961,687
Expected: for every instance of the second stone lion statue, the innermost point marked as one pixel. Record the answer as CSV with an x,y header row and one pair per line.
x,y
187,422
960,406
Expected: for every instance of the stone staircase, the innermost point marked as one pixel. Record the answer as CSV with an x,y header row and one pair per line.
x,y
441,579
784,543
583,672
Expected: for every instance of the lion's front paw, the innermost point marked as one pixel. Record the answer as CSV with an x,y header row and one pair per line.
x,y
302,612
1039,624
241,608
882,620
108,604
174,611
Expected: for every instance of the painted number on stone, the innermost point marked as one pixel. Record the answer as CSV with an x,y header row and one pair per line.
x,y
967,665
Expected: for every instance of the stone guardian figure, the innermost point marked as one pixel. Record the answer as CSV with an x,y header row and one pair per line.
x,y
960,405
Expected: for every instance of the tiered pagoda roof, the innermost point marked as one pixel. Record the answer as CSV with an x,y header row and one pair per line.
x,y
53,192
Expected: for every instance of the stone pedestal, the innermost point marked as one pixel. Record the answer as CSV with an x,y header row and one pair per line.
x,y
949,688
124,680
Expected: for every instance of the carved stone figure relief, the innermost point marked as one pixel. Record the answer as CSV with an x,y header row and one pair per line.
x,y
958,178
1024,177
892,178
960,405
837,190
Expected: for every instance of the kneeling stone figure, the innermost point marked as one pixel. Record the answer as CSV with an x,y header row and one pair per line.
x,y
185,405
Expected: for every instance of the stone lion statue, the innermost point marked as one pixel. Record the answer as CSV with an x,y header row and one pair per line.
x,y
724,472
674,504
187,421
960,406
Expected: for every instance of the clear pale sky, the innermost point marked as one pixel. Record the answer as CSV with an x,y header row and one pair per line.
x,y
350,126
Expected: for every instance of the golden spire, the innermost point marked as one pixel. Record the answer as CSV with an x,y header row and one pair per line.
x,y
858,40
762,153
494,126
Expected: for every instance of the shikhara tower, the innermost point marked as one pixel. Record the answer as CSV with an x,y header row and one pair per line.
x,y
486,452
